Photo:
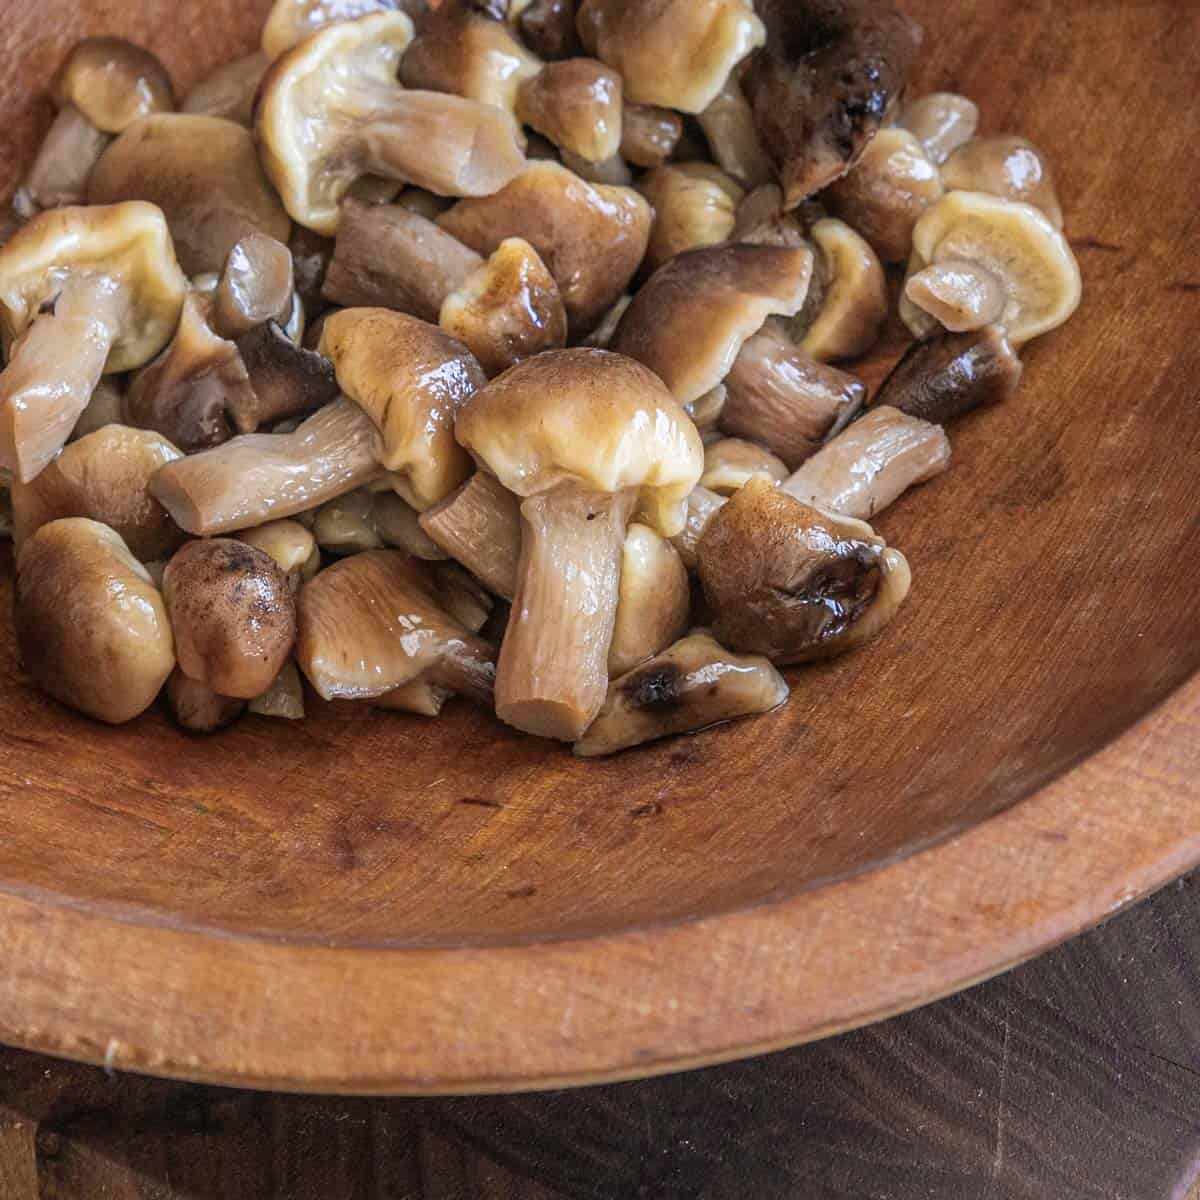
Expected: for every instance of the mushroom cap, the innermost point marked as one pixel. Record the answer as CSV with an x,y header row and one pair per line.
x,y
591,418
691,317
654,600
127,245
90,624
695,205
410,378
197,708
204,173
732,462
113,83
577,104
257,284
673,53
291,21
942,121
1008,166
229,91
293,547
1015,242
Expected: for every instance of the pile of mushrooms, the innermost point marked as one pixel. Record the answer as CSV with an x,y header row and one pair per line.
x,y
497,350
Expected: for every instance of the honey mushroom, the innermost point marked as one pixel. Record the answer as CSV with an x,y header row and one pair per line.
x,y
695,205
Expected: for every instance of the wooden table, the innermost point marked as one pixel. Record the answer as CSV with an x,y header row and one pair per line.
x,y
1071,1078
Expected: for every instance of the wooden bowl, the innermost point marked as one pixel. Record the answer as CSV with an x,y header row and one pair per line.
x,y
384,904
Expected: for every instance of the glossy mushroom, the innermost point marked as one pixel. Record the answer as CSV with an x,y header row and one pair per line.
x,y
653,601
547,27
649,134
291,545
730,463
695,205
290,22
1007,166
577,104
197,708
701,505
230,90
257,284
728,124
941,122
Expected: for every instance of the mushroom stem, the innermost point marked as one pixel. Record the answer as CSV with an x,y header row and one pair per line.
x,y
479,525
962,295
53,370
261,477
467,667
701,504
553,671
69,151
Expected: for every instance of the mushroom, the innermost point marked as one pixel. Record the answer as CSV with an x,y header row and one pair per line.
x,y
613,171
104,476
293,548
344,525
374,622
424,204
886,192
233,614
601,337
311,255
330,111
71,148
592,237
694,206
731,463
829,74
653,600
411,379
197,708
284,698
420,697
952,374
398,523
941,122
203,173
689,687
229,92
987,237
1007,166
676,53
785,400
706,411
113,83
959,296
588,440
728,125
871,464
479,525
701,504
260,477
851,297
83,291
762,221
287,381
292,21
793,583
256,285
104,408
691,317
576,103
463,597
90,626
547,27
649,134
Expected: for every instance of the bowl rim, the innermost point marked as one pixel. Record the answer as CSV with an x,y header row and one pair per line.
x,y
426,1021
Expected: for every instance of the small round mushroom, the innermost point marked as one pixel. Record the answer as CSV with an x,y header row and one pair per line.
x,y
256,285
233,615
941,122
795,584
588,440
508,310
291,545
113,83
229,92
197,708
649,134
695,205
728,125
90,625
290,22
653,601
577,104
330,111
83,291
1006,166
1005,240
731,463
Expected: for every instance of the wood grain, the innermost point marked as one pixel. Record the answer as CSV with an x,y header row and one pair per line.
x,y
368,903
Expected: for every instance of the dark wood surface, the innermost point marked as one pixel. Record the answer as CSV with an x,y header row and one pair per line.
x,y
1075,1077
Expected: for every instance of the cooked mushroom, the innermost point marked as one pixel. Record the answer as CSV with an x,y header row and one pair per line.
x,y
374,622
229,91
785,400
411,379
283,699
701,504
293,548
424,204
829,74
728,125
731,463
290,22
613,172
576,103
588,440
950,375
463,597
871,464
287,381
311,255
691,318
1006,166
203,173
113,83
83,291
960,296
90,626
653,600
649,134
941,121
106,477
689,687
479,525
330,110
104,408
677,53
592,237
233,615
419,696
197,708
886,192
508,310
851,290
987,237
345,526
601,337
695,205
256,285
398,523
761,221
706,411
71,148
548,29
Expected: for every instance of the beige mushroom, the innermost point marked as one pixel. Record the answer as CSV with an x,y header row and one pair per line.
x,y
345,526
601,337
588,440
291,545
90,625
577,104
104,408
331,111
233,615
653,601
592,237
283,699
941,122
701,504
113,83
479,525
197,708
795,584
547,27
728,125
419,696
229,92
203,173
706,411
59,174
83,291
761,221
256,285
612,172
693,685
695,205
959,296
290,22
1007,166
424,204
731,463
649,134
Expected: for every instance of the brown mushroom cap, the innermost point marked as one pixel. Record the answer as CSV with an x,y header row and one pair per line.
x,y
229,92
548,28
731,463
695,205
691,318
113,83
91,627
1007,166
649,134
291,21
233,615
256,285
577,104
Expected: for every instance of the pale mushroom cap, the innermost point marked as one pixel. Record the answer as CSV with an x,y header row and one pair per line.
x,y
690,319
126,244
229,91
695,205
942,121
1015,242
411,379
287,542
1007,166
113,83
855,302
675,53
591,418
653,602
732,462
291,21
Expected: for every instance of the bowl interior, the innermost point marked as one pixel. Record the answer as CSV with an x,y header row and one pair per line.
x,y
1054,602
